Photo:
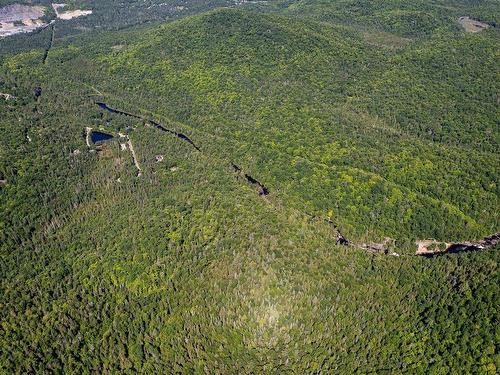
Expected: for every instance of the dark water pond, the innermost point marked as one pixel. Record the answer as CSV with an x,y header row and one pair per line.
x,y
100,137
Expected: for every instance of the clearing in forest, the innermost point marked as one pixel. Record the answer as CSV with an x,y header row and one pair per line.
x,y
70,13
472,26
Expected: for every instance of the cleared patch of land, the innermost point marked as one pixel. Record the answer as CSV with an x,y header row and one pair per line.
x,y
6,96
429,248
70,13
17,18
472,26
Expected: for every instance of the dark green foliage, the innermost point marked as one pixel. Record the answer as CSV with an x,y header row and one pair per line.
x,y
186,268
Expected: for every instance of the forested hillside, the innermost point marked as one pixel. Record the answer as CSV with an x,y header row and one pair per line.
x,y
253,205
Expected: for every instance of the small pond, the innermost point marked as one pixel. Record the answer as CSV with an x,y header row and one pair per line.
x,y
100,137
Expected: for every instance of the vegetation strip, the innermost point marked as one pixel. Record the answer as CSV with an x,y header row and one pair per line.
x,y
49,46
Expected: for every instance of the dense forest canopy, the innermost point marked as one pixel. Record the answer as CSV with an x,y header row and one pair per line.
x,y
255,208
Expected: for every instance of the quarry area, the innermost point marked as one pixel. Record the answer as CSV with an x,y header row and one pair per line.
x,y
17,18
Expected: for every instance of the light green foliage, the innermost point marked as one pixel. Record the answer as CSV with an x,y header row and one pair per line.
x,y
186,269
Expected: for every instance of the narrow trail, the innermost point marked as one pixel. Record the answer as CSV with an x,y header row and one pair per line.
x,y
134,156
128,144
96,91
51,42
88,132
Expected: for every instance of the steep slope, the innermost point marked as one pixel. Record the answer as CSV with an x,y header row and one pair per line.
x,y
443,90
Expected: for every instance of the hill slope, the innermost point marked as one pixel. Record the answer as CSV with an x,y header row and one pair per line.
x,y
204,236
322,116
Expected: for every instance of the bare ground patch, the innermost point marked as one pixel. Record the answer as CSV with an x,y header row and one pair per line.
x,y
70,14
472,26
17,18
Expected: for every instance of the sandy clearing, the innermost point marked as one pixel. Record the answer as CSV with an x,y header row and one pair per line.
x,y
87,136
430,247
74,14
18,12
472,26
70,14
134,156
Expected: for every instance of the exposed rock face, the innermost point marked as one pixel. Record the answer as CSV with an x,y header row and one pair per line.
x,y
381,247
341,240
490,241
430,248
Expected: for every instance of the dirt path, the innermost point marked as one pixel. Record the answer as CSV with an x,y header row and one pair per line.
x,y
134,156
88,132
97,91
